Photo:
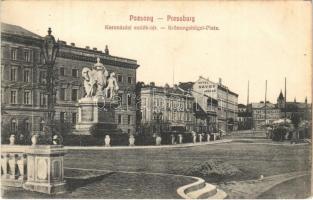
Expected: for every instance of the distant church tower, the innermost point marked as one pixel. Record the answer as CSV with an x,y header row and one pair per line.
x,y
280,100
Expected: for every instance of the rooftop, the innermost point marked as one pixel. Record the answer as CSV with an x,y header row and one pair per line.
x,y
64,47
18,30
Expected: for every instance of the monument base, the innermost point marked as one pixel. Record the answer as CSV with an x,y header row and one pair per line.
x,y
51,188
96,114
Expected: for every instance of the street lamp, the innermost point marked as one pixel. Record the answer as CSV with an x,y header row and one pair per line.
x,y
50,49
158,118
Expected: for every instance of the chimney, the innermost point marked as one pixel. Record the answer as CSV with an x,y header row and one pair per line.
x,y
95,49
87,47
73,44
220,81
62,42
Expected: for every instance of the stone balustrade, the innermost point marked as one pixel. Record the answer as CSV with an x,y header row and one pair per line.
x,y
13,165
37,168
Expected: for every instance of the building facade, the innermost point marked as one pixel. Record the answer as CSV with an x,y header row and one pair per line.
x,y
166,109
263,114
227,112
23,82
205,109
244,118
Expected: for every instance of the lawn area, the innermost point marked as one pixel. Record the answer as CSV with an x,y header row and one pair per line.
x,y
252,159
115,186
286,190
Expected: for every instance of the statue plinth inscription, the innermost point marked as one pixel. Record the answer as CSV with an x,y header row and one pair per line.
x,y
98,105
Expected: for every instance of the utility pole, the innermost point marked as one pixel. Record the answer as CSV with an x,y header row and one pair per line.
x,y
265,101
248,94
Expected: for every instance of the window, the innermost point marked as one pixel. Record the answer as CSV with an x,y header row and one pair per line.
x,y
119,78
27,55
74,118
128,119
129,100
128,131
43,100
62,71
62,117
13,74
62,94
26,75
74,95
74,72
42,77
41,125
13,97
14,54
13,125
119,118
27,98
27,125
129,80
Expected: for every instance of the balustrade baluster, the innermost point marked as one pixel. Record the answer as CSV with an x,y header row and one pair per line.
x,y
12,166
4,164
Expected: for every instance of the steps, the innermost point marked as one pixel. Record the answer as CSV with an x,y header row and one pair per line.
x,y
201,190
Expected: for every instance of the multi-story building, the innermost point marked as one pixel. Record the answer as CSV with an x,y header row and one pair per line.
x,y
205,109
303,109
165,109
227,101
244,118
23,81
263,113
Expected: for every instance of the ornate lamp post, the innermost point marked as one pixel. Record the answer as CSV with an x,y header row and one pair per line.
x,y
50,49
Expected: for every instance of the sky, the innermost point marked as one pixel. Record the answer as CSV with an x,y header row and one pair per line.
x,y
256,41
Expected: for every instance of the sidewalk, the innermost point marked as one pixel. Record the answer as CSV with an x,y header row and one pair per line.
x,y
148,146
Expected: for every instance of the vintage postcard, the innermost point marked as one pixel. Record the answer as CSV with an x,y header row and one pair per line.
x,y
156,99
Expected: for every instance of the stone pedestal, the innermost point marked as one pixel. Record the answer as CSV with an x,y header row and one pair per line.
x,y
200,137
107,141
131,140
158,140
95,111
45,171
208,136
180,138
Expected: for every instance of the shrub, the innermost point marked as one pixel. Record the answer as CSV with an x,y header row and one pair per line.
x,y
213,169
144,139
279,133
